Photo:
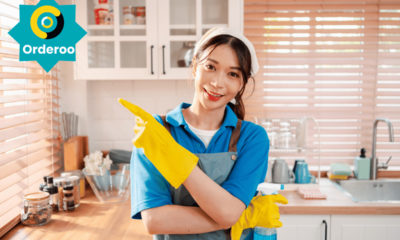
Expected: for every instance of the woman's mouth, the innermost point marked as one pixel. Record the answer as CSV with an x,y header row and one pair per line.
x,y
212,96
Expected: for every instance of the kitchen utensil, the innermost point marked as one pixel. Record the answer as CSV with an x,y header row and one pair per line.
x,y
303,176
113,187
76,126
281,172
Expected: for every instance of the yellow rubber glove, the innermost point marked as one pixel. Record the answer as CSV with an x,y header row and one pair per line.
x,y
172,160
262,212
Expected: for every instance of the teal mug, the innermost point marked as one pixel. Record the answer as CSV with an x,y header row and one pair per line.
x,y
303,176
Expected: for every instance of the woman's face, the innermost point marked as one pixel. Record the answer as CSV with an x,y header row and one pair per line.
x,y
218,78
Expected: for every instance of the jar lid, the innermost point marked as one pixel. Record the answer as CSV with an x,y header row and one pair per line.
x,y
68,187
72,180
60,181
73,173
37,196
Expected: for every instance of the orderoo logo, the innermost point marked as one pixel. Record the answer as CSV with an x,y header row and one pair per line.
x,y
47,14
47,33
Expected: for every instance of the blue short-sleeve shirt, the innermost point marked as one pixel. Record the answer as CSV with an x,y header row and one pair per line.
x,y
149,189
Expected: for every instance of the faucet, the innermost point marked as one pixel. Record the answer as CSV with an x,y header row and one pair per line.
x,y
374,160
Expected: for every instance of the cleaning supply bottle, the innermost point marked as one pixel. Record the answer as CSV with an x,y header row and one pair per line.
x,y
262,233
362,166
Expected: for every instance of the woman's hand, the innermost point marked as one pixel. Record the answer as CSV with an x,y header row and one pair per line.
x,y
262,212
173,161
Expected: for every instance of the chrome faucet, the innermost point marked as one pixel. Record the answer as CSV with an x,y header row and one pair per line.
x,y
374,160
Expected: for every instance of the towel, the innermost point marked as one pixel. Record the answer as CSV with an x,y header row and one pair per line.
x,y
311,193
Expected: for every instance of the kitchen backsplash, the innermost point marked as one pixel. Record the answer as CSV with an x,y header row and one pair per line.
x,y
107,123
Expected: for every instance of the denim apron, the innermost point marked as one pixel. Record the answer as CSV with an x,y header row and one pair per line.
x,y
217,166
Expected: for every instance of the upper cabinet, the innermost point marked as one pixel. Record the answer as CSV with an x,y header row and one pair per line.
x,y
146,39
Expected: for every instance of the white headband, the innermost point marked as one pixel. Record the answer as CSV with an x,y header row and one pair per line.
x,y
232,32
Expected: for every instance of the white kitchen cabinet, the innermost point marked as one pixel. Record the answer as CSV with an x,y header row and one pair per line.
x,y
304,227
155,50
365,227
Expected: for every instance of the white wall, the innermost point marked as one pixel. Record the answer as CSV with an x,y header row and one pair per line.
x,y
101,117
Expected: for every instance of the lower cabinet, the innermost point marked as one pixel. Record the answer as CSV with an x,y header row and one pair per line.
x,y
304,227
365,227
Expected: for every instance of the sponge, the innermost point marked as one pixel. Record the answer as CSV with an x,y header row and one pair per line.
x,y
340,169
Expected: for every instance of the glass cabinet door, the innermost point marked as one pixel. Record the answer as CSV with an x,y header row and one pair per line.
x,y
181,24
121,39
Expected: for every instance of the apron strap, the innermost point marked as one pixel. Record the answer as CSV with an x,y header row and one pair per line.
x,y
166,124
234,137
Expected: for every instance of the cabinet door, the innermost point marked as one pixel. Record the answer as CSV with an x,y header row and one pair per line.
x,y
365,227
117,51
303,227
182,23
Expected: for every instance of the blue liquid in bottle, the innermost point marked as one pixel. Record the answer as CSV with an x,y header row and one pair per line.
x,y
262,233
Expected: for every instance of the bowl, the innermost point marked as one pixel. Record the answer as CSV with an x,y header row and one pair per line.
x,y
113,186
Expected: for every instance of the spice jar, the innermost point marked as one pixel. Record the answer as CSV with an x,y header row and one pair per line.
x,y
74,181
82,181
68,201
60,182
37,210
44,184
54,197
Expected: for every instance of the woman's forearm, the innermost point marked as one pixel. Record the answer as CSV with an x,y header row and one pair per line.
x,y
218,203
176,219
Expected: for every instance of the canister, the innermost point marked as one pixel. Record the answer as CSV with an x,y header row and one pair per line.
x,y
82,181
70,180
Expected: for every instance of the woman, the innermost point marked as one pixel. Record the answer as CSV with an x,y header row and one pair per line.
x,y
232,153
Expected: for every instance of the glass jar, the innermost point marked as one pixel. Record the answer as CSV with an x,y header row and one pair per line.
x,y
74,181
82,181
68,201
60,182
37,210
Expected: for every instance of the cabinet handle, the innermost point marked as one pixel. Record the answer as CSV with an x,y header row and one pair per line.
x,y
152,46
163,59
326,229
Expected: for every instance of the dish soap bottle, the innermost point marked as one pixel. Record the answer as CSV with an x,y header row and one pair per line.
x,y
262,233
362,166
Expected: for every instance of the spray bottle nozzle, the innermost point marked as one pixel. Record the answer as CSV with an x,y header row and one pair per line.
x,y
269,188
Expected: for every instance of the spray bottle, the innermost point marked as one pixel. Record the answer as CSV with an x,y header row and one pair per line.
x,y
262,233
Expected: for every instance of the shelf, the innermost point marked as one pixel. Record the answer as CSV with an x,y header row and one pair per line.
x,y
110,27
193,26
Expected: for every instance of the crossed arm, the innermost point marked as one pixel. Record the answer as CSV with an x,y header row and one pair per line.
x,y
218,209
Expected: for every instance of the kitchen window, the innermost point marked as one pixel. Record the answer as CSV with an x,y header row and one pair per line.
x,y
337,62
29,122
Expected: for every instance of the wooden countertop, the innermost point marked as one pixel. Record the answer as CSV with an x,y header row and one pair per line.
x,y
95,220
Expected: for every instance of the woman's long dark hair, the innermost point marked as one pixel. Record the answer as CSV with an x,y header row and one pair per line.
x,y
244,57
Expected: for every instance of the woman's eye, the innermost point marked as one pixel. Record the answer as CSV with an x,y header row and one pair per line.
x,y
234,74
210,66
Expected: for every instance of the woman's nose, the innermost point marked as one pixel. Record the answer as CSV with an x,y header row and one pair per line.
x,y
217,81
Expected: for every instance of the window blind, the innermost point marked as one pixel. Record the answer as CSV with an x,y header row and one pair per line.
x,y
335,60
29,122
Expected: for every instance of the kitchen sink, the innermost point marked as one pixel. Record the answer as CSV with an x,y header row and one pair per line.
x,y
371,191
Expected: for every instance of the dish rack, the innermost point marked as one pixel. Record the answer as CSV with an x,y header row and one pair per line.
x,y
296,144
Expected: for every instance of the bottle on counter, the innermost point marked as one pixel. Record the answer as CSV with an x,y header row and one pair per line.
x,y
54,197
68,200
44,184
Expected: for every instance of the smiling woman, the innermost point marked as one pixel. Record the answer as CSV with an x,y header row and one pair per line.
x,y
232,153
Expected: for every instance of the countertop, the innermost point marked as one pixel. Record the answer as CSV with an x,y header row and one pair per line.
x,y
95,220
